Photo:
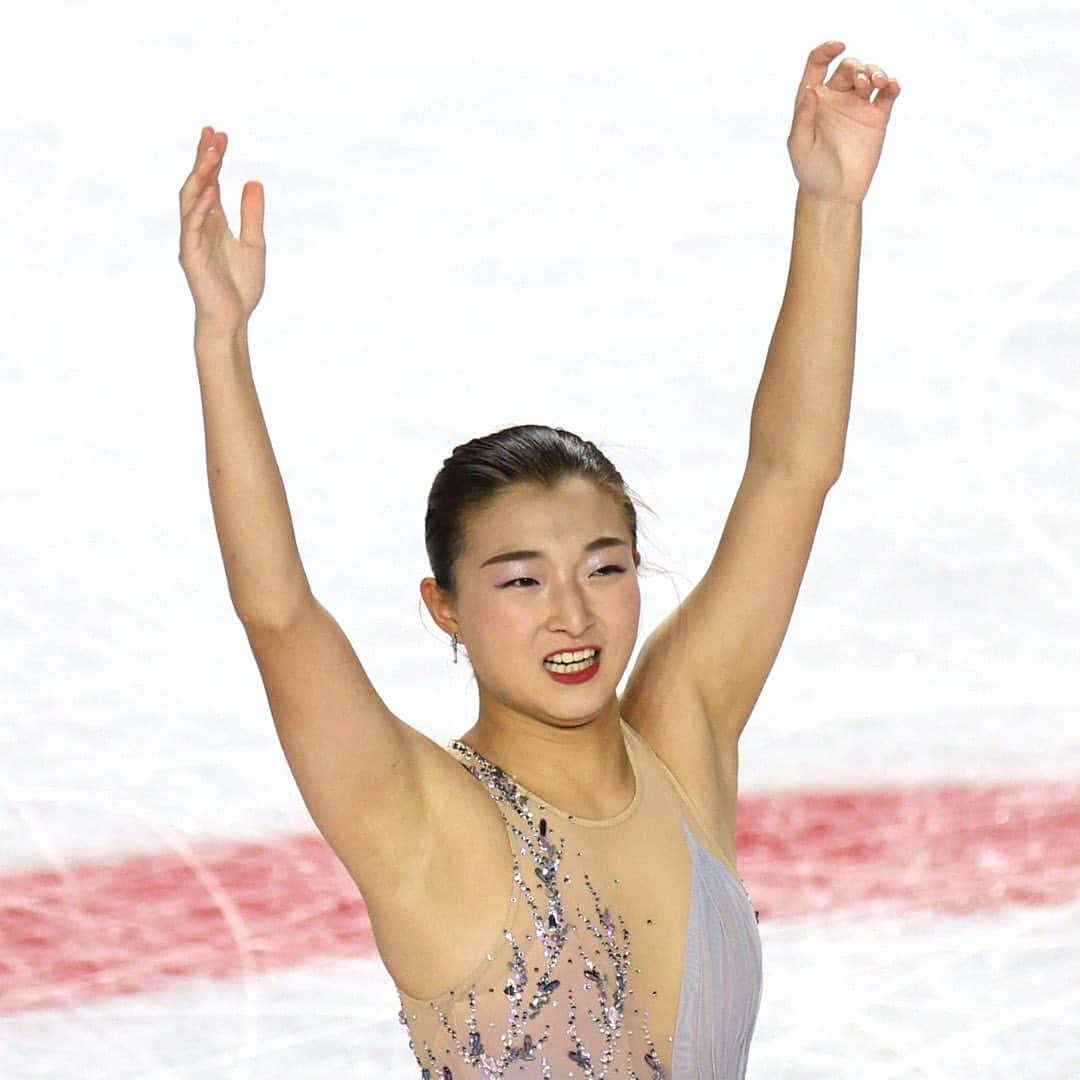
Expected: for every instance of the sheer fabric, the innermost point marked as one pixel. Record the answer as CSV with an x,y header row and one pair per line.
x,y
629,948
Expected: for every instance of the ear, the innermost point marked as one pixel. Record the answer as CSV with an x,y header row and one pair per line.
x,y
439,606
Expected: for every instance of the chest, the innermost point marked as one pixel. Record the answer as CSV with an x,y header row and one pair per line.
x,y
629,902
589,953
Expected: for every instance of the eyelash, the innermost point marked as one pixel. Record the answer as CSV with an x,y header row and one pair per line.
x,y
617,569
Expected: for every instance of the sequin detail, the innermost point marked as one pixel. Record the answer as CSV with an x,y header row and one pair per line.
x,y
605,997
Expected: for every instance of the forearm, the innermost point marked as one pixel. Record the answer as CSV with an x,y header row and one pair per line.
x,y
266,579
801,409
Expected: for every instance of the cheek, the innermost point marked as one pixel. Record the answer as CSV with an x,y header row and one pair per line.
x,y
501,625
506,623
507,640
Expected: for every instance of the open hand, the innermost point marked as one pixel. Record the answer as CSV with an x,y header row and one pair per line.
x,y
837,133
226,274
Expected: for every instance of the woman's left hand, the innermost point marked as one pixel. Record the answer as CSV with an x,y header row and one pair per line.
x,y
837,134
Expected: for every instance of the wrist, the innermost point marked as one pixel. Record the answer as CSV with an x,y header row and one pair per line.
x,y
216,339
811,198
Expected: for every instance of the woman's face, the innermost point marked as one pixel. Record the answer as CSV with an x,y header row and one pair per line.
x,y
516,611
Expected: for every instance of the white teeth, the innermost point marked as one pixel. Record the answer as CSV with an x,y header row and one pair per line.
x,y
572,657
571,661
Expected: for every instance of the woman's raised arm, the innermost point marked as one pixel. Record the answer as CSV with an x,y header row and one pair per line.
x,y
226,275
369,780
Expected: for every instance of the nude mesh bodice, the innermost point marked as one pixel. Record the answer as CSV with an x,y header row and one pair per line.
x,y
629,948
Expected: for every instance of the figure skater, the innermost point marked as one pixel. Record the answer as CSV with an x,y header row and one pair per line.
x,y
555,893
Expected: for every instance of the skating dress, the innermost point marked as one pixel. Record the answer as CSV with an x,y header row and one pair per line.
x,y
629,947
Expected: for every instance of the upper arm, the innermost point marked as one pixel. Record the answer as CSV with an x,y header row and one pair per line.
x,y
364,774
725,636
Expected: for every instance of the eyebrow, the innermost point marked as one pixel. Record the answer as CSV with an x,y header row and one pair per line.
x,y
513,556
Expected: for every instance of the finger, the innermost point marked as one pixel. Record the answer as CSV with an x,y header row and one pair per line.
x,y
205,135
191,233
819,61
844,77
199,174
205,138
252,209
871,78
205,170
207,201
886,97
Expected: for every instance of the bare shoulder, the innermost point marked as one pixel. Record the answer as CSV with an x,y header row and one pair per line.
x,y
661,703
410,824
452,803
462,877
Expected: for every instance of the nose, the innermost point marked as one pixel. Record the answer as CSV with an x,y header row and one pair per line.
x,y
570,609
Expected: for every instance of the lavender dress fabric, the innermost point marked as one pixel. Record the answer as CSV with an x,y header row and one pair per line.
x,y
721,988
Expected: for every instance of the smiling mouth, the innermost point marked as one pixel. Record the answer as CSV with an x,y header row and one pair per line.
x,y
573,667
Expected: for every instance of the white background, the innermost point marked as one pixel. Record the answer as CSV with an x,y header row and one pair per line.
x,y
487,214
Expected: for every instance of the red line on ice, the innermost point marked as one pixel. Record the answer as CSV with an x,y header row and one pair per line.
x,y
142,922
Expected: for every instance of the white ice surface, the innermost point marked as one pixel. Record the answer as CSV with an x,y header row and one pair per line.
x,y
480,215
992,997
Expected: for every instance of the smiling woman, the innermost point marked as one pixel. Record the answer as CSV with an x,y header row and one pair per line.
x,y
532,537
555,893
523,603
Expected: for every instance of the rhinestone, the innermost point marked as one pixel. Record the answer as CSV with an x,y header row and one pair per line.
x,y
553,928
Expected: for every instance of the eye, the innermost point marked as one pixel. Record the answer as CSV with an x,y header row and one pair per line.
x,y
515,581
600,570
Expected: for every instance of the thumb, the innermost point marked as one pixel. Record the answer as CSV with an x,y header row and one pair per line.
x,y
252,209
802,129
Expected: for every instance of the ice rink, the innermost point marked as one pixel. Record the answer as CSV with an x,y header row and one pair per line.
x,y
481,215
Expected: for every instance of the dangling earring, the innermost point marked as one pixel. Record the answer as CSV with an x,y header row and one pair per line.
x,y
454,642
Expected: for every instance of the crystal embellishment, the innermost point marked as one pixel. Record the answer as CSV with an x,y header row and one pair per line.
x,y
554,931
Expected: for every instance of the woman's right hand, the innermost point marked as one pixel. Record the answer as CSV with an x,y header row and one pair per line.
x,y
226,274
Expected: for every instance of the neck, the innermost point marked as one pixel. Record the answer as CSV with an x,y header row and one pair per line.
x,y
579,765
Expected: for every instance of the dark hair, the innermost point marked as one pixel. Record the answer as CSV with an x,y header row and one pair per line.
x,y
482,468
